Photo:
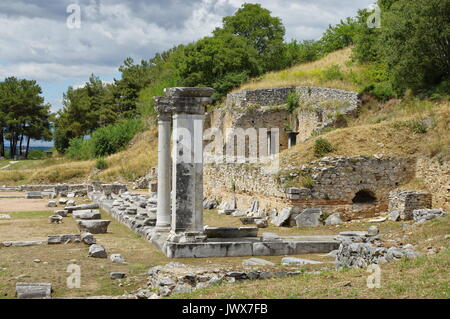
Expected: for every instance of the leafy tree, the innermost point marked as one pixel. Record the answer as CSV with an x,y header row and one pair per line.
x,y
262,32
415,43
222,62
339,36
24,116
300,52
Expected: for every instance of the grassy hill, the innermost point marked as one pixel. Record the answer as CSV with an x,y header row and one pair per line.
x,y
407,127
336,70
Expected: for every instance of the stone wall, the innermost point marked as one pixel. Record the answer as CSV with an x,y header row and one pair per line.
x,y
335,183
265,108
228,119
436,177
278,96
402,203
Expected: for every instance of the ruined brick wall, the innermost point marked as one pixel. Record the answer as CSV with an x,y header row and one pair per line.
x,y
405,202
336,180
318,108
340,178
269,118
278,96
436,177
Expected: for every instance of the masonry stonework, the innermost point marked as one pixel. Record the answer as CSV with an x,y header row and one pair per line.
x,y
337,183
436,177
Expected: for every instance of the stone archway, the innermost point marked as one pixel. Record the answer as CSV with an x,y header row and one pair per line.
x,y
364,197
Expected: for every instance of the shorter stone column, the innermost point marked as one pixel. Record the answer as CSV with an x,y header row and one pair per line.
x,y
163,215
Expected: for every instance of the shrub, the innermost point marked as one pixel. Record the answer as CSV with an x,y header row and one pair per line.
x,y
322,147
308,181
79,149
105,141
36,154
383,91
418,127
101,164
293,101
332,73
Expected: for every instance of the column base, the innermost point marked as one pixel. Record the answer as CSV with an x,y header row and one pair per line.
x,y
162,228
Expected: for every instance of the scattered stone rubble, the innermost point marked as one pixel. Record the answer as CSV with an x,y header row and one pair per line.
x,y
361,249
179,278
136,211
422,215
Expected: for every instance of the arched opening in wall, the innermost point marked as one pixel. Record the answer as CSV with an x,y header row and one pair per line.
x,y
364,197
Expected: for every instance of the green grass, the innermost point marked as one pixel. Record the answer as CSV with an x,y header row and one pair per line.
x,y
26,215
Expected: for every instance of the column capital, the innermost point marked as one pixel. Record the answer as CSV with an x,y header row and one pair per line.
x,y
184,100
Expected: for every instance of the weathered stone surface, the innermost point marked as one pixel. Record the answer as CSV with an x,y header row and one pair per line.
x,y
209,204
82,207
62,213
88,238
373,231
97,251
283,217
34,195
117,258
52,203
257,262
309,217
333,219
248,220
422,215
394,215
87,214
23,243
55,219
378,220
238,213
406,201
231,232
70,203
184,288
261,223
361,255
117,275
63,239
33,290
298,261
62,201
93,226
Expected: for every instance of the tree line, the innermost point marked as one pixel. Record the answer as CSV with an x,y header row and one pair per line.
x,y
24,115
409,51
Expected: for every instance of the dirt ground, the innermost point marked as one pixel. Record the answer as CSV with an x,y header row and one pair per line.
x,y
23,205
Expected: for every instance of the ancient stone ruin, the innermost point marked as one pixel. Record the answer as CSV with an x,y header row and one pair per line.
x,y
178,228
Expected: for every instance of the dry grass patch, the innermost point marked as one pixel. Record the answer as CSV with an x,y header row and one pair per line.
x,y
424,277
309,74
135,161
396,135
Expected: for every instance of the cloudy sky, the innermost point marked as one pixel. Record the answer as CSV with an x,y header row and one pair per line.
x,y
36,42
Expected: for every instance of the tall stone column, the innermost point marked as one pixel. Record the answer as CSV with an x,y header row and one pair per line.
x,y
187,106
163,214
187,180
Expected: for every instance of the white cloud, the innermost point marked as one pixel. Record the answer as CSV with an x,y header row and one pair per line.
x,y
36,43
